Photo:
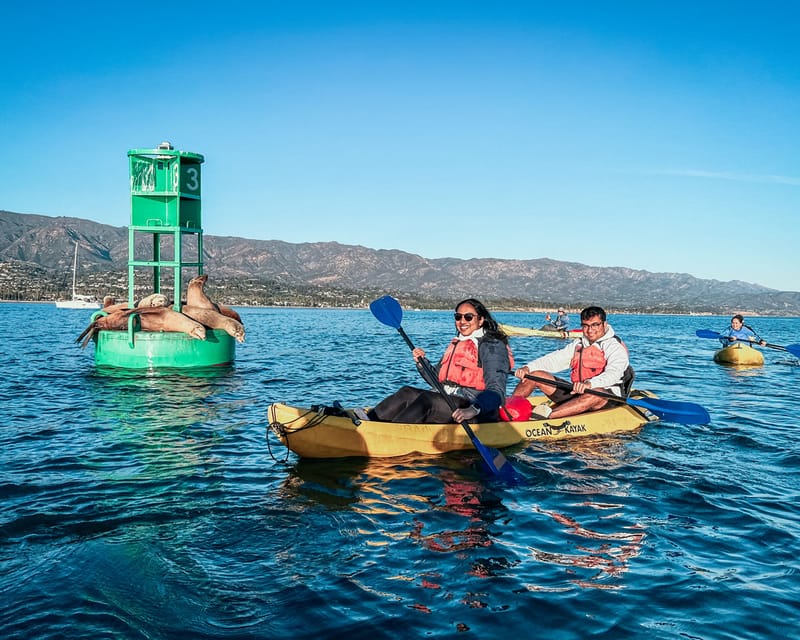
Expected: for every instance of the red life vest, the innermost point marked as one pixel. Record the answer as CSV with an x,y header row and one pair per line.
x,y
460,365
588,362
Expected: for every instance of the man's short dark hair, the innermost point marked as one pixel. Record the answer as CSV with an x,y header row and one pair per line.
x,y
591,312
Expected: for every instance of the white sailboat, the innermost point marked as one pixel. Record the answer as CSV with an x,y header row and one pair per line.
x,y
78,301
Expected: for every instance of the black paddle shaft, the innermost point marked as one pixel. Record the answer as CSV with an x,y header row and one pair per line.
x,y
568,387
434,378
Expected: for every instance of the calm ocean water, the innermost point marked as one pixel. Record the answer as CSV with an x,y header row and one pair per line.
x,y
154,506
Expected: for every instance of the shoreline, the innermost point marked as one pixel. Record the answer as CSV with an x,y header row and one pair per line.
x,y
747,314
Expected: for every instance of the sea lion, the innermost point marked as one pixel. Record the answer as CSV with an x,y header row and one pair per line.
x,y
110,305
196,298
167,319
119,306
115,320
215,320
150,319
227,311
154,300
196,295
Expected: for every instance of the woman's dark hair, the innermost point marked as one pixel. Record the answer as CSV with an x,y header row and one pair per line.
x,y
738,317
490,327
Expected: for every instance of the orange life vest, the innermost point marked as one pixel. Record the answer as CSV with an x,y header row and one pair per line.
x,y
460,365
588,362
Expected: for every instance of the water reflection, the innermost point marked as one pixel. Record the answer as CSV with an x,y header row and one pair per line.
x,y
604,553
165,398
470,500
446,508
593,539
326,483
433,518
374,486
156,426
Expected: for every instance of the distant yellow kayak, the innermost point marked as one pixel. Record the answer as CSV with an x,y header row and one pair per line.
x,y
512,331
739,353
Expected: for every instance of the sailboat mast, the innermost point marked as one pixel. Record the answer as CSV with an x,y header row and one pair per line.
x,y
74,270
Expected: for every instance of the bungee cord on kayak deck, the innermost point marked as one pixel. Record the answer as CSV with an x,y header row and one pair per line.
x,y
282,430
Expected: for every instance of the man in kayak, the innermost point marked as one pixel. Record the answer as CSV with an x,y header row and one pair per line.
x,y
597,360
561,323
739,331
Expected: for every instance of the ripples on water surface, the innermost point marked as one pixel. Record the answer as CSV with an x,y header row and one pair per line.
x,y
149,506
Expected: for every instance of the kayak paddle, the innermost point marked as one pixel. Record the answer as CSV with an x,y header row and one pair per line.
x,y
794,349
670,410
389,312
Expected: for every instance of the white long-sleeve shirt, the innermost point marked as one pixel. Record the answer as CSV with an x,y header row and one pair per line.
x,y
616,361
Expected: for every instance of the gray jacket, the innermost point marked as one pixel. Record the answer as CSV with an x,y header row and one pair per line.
x,y
493,359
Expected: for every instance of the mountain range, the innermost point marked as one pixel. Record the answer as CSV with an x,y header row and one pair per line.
x,y
36,253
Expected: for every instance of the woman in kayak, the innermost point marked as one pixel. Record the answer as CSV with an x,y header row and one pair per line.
x,y
472,372
739,331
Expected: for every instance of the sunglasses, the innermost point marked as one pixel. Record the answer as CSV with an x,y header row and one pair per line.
x,y
469,317
592,325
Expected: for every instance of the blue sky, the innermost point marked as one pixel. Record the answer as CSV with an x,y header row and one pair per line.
x,y
662,136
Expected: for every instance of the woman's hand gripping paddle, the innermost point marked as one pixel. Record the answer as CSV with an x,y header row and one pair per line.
x,y
389,312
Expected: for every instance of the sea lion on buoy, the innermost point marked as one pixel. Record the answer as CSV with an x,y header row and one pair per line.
x,y
149,318
196,295
227,311
115,320
215,320
154,300
119,306
110,304
167,319
196,298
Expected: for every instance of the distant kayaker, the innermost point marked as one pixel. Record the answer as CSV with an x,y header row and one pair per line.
x,y
472,371
598,360
561,322
739,331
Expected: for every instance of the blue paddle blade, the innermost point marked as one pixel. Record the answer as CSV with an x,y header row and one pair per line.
x,y
672,410
493,459
794,349
497,463
388,311
705,333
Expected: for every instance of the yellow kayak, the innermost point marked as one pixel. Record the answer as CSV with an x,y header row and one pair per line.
x,y
511,330
324,432
739,353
